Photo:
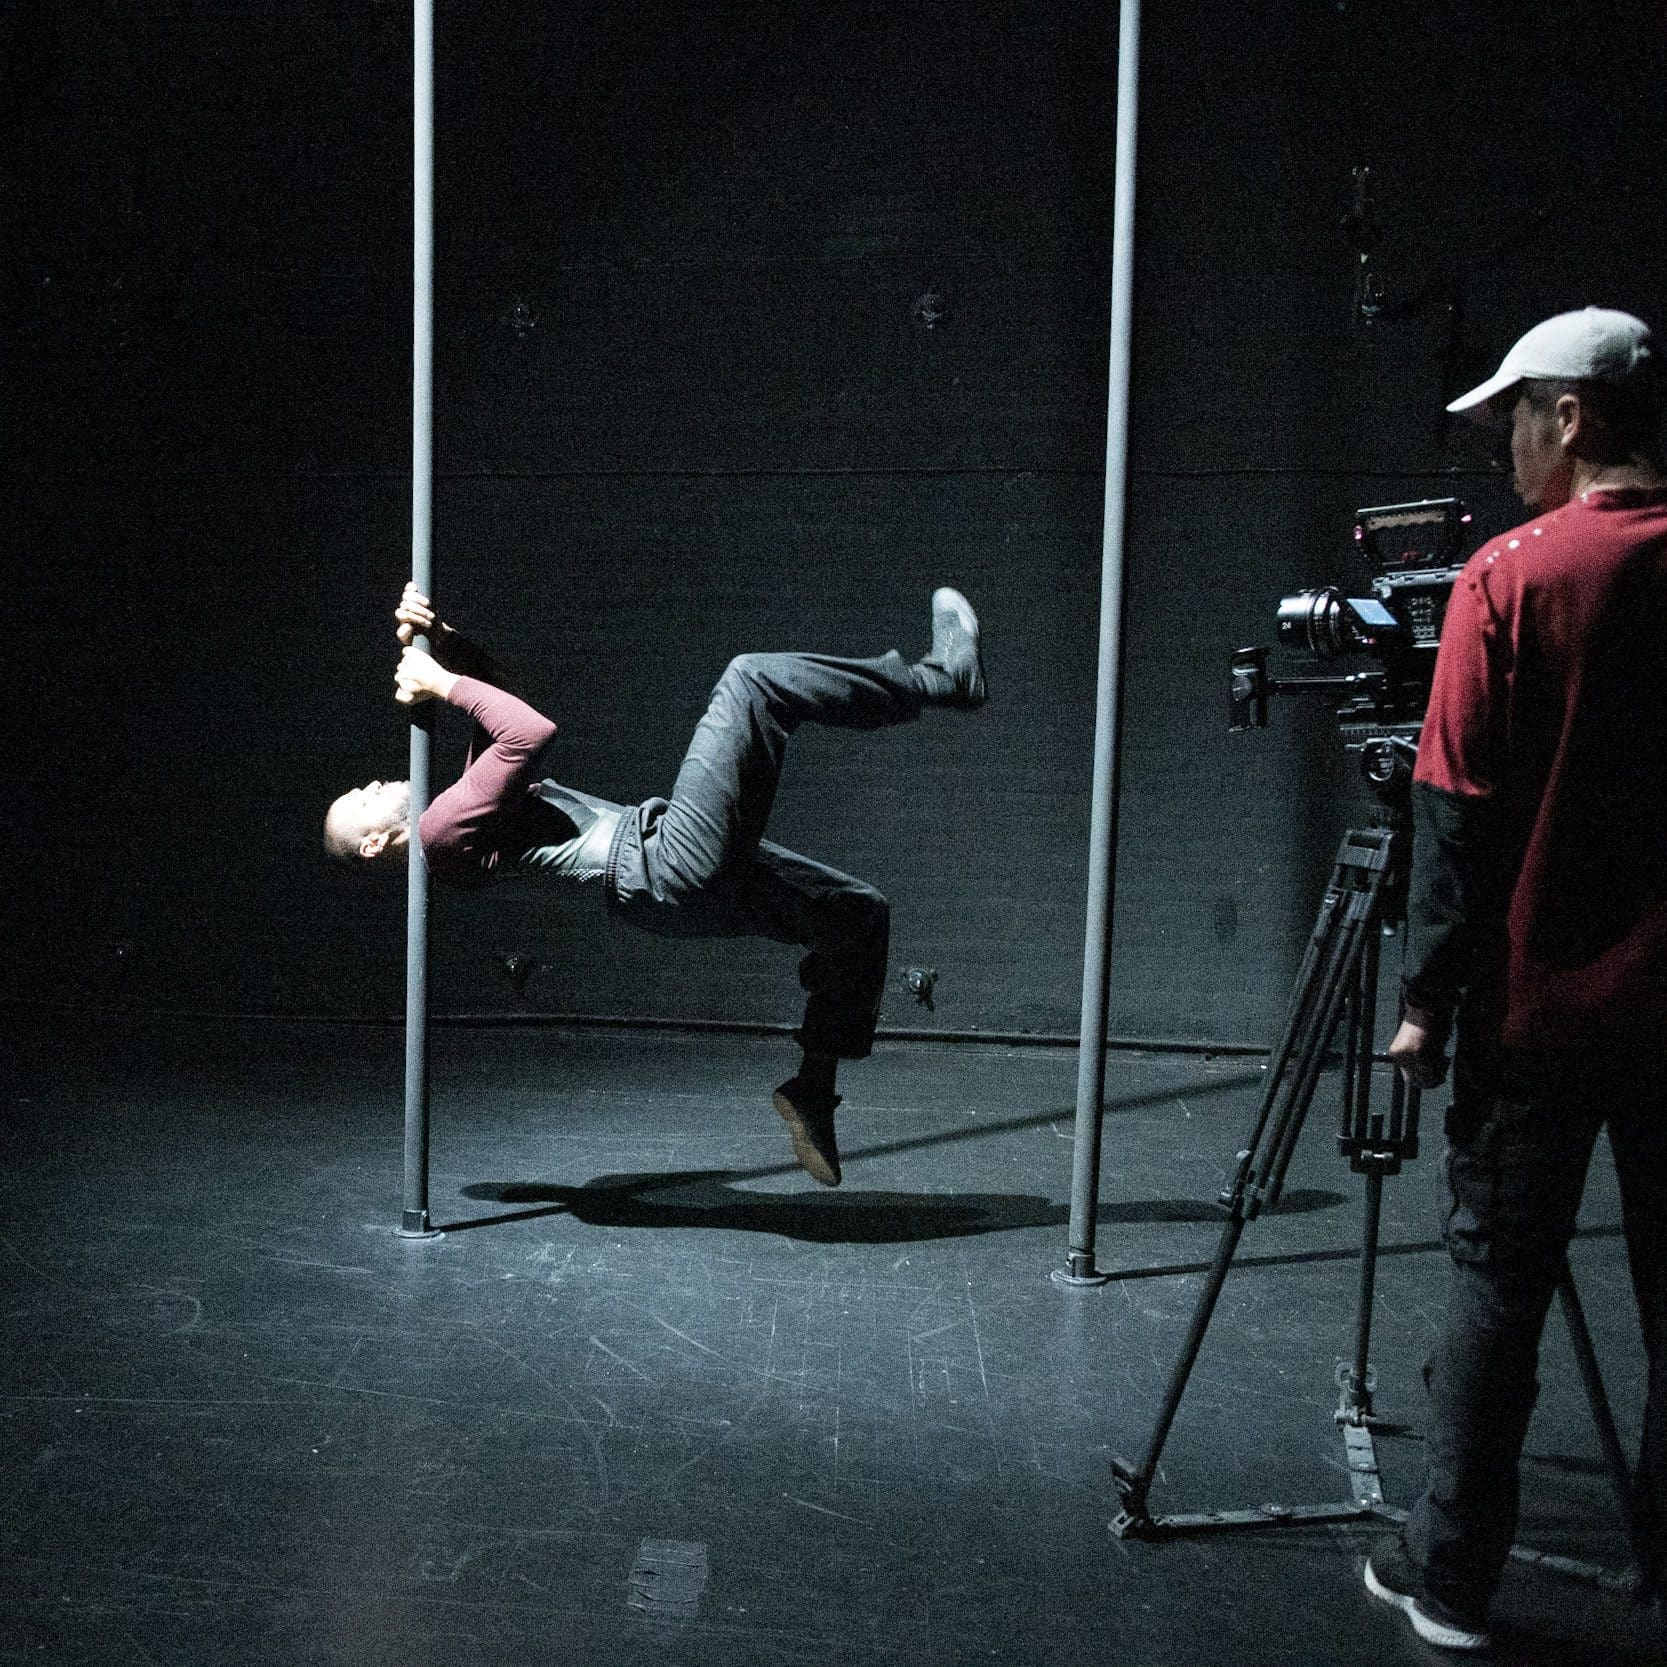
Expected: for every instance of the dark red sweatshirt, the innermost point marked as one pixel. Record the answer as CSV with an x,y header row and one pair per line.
x,y
1539,878
467,828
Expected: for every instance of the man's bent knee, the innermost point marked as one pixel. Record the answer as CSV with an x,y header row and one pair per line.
x,y
745,668
864,914
866,901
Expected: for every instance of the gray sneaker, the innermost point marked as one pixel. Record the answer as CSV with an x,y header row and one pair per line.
x,y
953,671
1391,1578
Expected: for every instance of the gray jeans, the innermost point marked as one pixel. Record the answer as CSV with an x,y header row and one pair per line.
x,y
1520,1136
697,864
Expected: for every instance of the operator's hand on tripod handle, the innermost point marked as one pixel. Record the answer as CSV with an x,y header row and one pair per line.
x,y
1419,1055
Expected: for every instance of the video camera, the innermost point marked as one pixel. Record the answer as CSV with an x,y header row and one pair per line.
x,y
1417,551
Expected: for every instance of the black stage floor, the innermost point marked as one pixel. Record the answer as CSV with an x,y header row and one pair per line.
x,y
654,1397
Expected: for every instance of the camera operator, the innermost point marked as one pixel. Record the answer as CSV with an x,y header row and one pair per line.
x,y
1537,918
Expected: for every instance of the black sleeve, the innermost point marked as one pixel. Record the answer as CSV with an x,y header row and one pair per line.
x,y
1456,899
466,657
463,655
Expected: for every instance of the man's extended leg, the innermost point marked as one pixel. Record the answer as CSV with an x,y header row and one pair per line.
x,y
727,784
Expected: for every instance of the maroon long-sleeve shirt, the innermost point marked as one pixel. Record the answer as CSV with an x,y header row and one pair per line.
x,y
468,828
1539,884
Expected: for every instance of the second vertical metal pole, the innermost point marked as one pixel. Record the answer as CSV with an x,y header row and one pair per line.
x,y
1102,839
414,1218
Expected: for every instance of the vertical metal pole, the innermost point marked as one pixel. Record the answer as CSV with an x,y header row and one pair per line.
x,y
414,1220
1096,971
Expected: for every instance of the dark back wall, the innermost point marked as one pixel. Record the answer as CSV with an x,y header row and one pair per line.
x,y
689,404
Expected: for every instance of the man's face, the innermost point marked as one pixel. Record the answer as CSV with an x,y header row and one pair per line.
x,y
1540,469
363,813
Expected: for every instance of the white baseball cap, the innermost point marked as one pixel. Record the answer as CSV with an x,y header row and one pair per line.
x,y
1595,344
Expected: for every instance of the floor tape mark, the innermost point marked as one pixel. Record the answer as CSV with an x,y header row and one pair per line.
x,y
668,1578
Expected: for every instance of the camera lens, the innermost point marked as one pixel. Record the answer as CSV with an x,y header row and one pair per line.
x,y
1316,622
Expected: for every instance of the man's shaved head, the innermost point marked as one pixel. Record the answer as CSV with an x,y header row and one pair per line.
x,y
370,823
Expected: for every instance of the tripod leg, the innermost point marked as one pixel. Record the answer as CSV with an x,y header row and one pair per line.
x,y
1315,971
1357,1396
1362,1138
1328,972
1620,1475
1134,1482
1342,972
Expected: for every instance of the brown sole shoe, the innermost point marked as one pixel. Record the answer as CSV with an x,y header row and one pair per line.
x,y
812,1129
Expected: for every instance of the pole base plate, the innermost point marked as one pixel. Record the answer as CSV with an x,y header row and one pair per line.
x,y
1079,1272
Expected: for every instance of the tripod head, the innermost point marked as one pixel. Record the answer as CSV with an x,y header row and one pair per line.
x,y
1386,754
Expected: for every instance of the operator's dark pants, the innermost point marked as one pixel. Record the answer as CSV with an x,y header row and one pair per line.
x,y
1520,1135
696,865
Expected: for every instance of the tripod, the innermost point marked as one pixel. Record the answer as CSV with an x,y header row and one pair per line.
x,y
1337,983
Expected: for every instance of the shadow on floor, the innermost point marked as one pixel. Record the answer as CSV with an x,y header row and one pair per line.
x,y
709,1199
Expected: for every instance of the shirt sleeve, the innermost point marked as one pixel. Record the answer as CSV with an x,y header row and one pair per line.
x,y
457,828
1461,748
1455,901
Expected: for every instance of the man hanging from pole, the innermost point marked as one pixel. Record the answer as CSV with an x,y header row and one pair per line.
x,y
693,865
1537,914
